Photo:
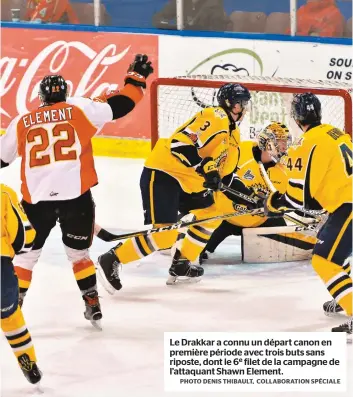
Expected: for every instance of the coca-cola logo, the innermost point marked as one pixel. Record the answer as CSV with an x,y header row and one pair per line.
x,y
91,62
24,74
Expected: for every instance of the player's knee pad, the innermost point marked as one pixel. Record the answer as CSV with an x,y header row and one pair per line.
x,y
209,212
24,264
164,240
324,268
27,260
74,255
334,276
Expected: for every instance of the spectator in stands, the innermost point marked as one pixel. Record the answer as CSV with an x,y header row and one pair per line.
x,y
320,18
50,11
198,15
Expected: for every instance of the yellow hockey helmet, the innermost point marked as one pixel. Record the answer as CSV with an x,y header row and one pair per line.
x,y
275,139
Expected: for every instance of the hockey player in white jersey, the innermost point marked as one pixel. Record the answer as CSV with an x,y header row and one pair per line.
x,y
57,170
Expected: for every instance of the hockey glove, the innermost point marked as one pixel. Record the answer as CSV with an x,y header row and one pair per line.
x,y
257,195
208,169
138,71
275,205
252,193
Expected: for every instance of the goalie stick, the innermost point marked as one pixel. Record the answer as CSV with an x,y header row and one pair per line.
x,y
270,185
304,225
104,235
107,236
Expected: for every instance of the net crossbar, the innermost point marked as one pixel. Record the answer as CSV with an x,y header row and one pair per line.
x,y
175,100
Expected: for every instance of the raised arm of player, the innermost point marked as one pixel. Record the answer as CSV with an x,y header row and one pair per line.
x,y
123,102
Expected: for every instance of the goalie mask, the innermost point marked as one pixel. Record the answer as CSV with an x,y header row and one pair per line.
x,y
275,139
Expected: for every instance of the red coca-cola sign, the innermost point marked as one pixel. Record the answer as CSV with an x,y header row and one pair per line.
x,y
90,62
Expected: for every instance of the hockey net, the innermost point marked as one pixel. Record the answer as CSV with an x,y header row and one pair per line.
x,y
175,100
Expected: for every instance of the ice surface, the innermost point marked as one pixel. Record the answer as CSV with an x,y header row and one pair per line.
x,y
126,358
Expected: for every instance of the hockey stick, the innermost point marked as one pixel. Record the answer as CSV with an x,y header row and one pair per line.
x,y
270,185
304,225
107,236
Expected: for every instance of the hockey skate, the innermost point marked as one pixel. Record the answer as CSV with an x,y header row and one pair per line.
x,y
93,309
30,369
182,271
345,327
108,271
205,256
331,307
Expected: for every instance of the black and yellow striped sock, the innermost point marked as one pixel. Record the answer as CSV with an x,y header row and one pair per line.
x,y
139,247
195,241
337,281
18,336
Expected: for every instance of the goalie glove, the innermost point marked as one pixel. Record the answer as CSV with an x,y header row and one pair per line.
x,y
138,71
208,169
252,192
275,205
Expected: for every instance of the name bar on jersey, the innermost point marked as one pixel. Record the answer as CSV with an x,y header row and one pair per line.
x,y
47,116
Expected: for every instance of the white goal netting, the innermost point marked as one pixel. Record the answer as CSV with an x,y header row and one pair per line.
x,y
175,100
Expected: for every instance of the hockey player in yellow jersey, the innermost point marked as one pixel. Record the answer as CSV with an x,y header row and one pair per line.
x,y
319,168
272,144
181,174
17,235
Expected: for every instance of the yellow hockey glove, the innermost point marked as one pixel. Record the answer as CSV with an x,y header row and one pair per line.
x,y
208,169
275,205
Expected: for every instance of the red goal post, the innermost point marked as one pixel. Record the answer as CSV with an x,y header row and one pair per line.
x,y
175,100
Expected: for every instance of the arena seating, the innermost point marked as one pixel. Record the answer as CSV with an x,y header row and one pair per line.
x,y
255,16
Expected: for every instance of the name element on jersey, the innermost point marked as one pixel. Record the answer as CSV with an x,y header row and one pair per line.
x,y
52,194
249,175
47,116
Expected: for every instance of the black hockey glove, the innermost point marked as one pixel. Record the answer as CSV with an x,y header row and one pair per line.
x,y
275,205
250,192
138,71
208,169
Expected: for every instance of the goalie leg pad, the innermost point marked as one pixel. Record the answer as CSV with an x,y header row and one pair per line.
x,y
276,244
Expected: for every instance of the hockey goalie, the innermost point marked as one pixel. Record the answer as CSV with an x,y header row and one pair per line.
x,y
289,238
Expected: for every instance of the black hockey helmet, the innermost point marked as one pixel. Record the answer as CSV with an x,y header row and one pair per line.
x,y
231,94
52,89
306,108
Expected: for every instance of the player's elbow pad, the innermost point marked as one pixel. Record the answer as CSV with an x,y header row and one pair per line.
x,y
125,101
3,164
121,105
